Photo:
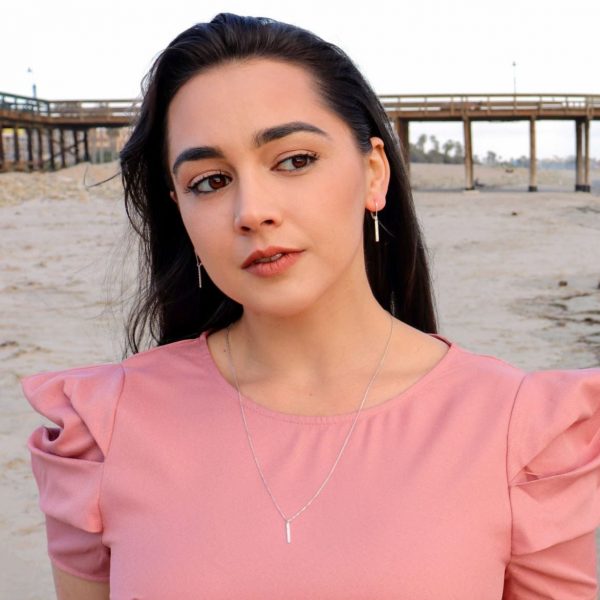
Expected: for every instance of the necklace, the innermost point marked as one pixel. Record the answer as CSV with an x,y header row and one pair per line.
x,y
288,520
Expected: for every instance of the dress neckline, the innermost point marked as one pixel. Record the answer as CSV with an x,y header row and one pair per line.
x,y
442,365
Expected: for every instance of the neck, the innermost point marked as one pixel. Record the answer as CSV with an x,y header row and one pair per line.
x,y
311,345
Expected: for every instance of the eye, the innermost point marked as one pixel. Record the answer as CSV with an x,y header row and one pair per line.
x,y
214,182
298,161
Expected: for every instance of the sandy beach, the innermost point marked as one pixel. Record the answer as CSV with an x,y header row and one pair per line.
x,y
516,275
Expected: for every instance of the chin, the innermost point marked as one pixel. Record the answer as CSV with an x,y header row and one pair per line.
x,y
284,299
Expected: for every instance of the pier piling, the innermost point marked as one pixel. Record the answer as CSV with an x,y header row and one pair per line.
x,y
76,145
16,148
40,148
29,134
532,157
403,136
50,133
586,187
2,159
578,155
469,185
63,151
86,146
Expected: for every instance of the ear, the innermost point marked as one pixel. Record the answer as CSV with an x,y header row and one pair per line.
x,y
173,196
378,175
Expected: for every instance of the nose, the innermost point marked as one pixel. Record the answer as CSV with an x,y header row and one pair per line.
x,y
256,207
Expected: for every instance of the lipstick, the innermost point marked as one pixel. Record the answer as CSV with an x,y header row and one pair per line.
x,y
278,263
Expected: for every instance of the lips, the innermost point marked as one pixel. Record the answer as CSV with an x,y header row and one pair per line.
x,y
272,268
267,253
270,258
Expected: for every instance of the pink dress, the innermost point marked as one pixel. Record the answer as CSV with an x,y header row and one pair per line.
x,y
479,482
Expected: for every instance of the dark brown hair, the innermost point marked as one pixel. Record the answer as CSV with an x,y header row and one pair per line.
x,y
168,304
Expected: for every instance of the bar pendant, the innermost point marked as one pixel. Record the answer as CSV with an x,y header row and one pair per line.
x,y
288,532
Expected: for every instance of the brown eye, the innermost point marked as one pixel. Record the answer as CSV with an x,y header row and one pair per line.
x,y
298,161
215,182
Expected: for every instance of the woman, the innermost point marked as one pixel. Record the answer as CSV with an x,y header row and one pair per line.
x,y
300,430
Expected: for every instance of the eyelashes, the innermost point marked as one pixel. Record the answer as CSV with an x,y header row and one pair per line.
x,y
216,181
220,178
308,158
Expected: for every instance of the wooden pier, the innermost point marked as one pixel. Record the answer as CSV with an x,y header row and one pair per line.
x,y
579,108
48,135
53,134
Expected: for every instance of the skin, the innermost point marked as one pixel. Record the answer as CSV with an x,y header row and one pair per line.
x,y
263,206
310,338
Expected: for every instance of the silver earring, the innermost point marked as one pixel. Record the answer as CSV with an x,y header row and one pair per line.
x,y
375,218
199,271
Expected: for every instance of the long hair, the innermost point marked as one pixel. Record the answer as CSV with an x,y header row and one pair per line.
x,y
168,305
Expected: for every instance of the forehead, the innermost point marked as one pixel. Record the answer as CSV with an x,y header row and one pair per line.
x,y
229,102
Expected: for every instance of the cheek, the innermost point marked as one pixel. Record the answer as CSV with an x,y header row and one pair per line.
x,y
190,221
203,229
341,208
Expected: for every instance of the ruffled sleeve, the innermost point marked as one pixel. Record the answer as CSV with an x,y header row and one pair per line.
x,y
553,468
67,461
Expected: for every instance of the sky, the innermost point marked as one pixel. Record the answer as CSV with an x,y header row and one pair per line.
x,y
101,50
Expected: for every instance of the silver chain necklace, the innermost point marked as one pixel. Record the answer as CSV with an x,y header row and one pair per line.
x,y
288,521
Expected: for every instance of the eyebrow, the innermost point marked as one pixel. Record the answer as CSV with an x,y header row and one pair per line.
x,y
260,138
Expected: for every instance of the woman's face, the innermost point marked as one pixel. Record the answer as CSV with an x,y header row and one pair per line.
x,y
259,163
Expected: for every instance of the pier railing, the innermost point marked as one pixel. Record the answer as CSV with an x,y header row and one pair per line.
x,y
22,104
93,113
424,107
491,106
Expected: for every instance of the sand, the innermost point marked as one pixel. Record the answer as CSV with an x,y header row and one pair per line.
x,y
498,257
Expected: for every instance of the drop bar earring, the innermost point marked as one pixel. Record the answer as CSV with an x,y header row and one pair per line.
x,y
376,219
199,271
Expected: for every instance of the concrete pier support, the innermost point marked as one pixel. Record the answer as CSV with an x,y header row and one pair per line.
x,y
532,157
469,185
403,136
